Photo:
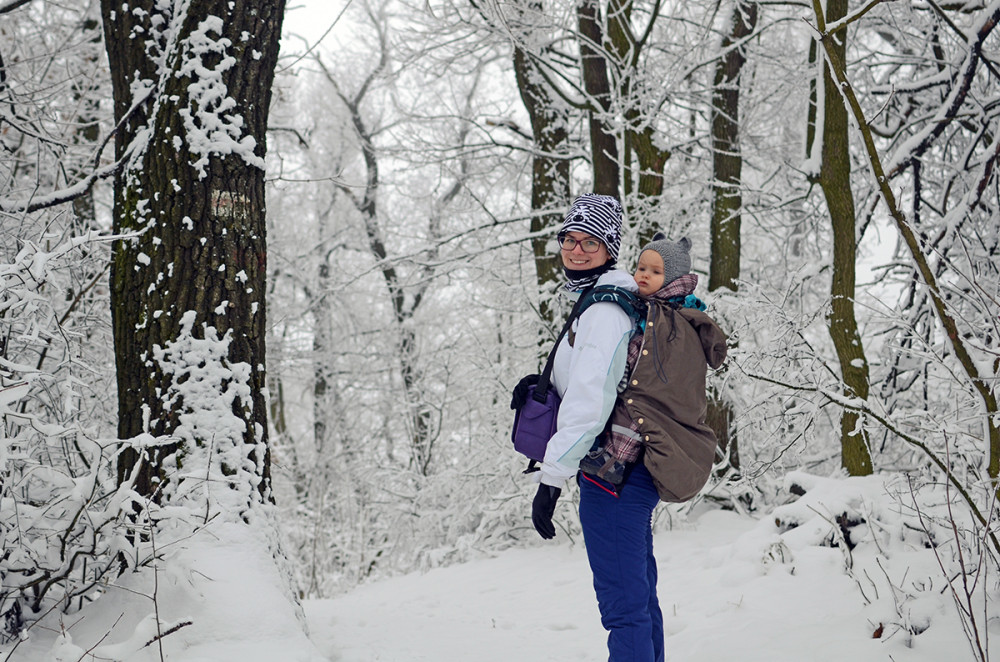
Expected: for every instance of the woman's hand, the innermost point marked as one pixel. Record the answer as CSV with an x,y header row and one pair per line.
x,y
520,393
542,509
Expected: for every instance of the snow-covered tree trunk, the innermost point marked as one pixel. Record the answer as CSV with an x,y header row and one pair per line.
x,y
549,116
727,159
624,50
368,205
835,180
727,198
950,276
192,87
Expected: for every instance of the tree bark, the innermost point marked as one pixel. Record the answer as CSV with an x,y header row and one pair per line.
x,y
914,244
603,146
623,51
550,190
835,180
727,199
727,160
192,192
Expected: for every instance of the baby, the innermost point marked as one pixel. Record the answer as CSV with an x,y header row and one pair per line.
x,y
662,273
649,272
664,270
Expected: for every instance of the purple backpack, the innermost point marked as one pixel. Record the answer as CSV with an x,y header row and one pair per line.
x,y
535,417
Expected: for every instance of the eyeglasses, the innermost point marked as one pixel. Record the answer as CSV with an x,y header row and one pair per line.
x,y
568,244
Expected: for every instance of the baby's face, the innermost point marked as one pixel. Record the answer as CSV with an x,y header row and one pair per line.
x,y
649,273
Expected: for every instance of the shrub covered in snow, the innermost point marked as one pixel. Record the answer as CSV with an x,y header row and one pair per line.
x,y
64,528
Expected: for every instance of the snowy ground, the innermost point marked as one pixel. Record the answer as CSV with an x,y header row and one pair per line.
x,y
731,588
722,601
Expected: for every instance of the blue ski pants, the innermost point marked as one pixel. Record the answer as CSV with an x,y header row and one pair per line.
x,y
619,538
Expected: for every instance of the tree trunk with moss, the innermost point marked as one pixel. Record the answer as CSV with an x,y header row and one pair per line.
x,y
193,87
835,180
727,199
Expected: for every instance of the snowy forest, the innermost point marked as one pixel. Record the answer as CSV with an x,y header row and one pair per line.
x,y
269,273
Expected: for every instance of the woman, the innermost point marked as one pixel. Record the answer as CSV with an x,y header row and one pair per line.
x,y
588,366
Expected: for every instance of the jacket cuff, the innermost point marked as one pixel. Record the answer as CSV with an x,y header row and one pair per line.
x,y
554,481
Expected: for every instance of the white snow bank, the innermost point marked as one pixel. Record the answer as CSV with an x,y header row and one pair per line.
x,y
782,588
222,592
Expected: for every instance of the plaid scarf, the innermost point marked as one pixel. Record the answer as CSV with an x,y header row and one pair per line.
x,y
623,443
678,287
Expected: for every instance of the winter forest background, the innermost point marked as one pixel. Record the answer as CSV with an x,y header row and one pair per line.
x,y
332,370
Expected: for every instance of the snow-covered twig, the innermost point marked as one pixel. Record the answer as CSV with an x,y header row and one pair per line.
x,y
963,603
81,187
68,194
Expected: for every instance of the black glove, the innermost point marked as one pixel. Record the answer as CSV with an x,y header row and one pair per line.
x,y
542,509
520,393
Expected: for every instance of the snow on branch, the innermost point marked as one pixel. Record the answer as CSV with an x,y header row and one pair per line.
x,y
77,190
65,521
80,188
914,147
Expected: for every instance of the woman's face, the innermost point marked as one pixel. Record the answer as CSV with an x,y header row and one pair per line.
x,y
577,259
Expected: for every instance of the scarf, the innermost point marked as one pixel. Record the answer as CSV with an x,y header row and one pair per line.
x,y
682,286
582,279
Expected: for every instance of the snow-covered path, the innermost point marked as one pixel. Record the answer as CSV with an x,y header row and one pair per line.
x,y
727,594
732,588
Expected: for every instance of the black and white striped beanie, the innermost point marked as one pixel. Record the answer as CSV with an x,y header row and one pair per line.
x,y
597,215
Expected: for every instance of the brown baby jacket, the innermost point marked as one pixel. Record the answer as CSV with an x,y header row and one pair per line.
x,y
666,397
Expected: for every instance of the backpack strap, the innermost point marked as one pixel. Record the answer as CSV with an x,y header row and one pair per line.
x,y
630,302
542,387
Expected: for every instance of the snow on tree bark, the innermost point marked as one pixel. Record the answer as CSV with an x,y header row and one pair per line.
x,y
550,181
197,76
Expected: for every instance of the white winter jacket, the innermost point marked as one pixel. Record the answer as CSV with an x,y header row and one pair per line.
x,y
586,377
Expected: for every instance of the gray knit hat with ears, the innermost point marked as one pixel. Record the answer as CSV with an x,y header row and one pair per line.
x,y
676,256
